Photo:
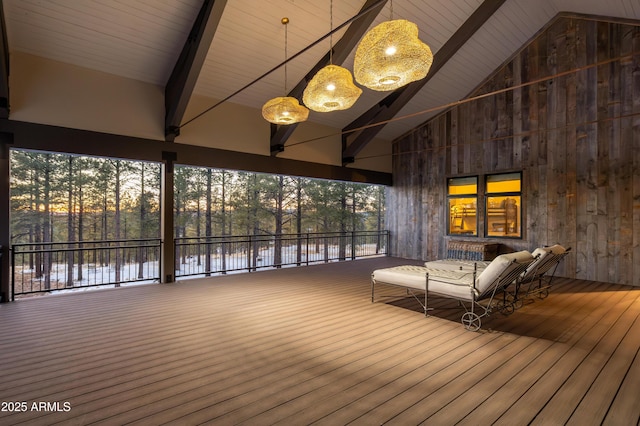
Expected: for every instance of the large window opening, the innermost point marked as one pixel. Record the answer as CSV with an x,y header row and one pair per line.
x,y
230,221
80,222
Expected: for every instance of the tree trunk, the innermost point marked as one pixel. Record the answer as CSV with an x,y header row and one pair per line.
x,y
80,233
105,256
70,229
299,221
342,248
223,219
183,253
38,230
354,223
34,208
143,218
277,246
117,226
198,220
46,225
178,249
207,226
255,247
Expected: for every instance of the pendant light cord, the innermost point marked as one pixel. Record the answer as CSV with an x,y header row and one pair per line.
x,y
331,32
285,21
338,28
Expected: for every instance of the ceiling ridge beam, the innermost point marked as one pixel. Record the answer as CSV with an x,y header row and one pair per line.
x,y
185,73
340,52
390,106
4,66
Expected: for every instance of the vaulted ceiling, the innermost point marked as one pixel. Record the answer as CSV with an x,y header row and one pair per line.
x,y
235,49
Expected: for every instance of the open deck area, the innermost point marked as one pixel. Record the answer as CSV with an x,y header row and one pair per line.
x,y
306,346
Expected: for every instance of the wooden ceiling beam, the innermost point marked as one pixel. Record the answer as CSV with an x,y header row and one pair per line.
x,y
43,137
341,51
355,140
183,78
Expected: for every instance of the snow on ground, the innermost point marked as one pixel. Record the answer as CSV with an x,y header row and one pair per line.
x,y
95,276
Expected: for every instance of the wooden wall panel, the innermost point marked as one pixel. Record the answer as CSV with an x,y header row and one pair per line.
x,y
575,136
635,165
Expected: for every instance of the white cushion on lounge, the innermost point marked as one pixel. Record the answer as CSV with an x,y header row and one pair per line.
x,y
499,265
542,252
457,284
554,249
457,265
447,283
450,283
405,275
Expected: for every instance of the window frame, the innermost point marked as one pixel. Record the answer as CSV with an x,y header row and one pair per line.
x,y
506,195
462,196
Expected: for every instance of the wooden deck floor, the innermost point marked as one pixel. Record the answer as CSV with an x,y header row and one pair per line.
x,y
306,346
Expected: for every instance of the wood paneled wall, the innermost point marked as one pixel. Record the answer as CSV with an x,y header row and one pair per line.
x,y
570,120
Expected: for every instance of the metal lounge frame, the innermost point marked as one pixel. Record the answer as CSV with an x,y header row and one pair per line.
x,y
471,319
541,274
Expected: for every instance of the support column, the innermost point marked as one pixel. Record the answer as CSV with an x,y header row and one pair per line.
x,y
6,139
167,261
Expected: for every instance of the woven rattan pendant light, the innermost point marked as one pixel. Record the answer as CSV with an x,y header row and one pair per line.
x,y
391,55
284,109
332,87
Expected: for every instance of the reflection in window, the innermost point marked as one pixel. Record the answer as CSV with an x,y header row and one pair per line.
x,y
504,205
462,194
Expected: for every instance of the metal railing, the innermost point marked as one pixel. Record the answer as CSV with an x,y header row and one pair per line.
x,y
219,255
48,267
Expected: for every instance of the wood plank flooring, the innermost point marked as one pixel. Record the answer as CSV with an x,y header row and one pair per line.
x,y
306,346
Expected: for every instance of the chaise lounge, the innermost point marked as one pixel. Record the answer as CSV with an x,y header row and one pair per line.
x,y
475,290
536,279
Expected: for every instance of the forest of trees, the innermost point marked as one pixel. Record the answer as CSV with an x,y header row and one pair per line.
x,y
63,198
59,198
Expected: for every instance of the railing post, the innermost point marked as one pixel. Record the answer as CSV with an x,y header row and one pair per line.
x,y
249,254
168,261
225,248
307,255
387,243
13,275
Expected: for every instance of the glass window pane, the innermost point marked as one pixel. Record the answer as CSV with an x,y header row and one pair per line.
x,y
462,216
463,186
509,182
504,216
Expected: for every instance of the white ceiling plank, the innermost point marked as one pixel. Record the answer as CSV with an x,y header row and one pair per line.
x,y
141,39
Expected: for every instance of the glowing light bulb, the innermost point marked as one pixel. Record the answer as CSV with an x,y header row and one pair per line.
x,y
390,79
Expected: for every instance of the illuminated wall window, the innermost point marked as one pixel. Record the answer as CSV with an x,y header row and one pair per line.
x,y
503,211
462,196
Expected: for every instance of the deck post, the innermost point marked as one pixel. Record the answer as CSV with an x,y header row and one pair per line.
x,y
6,139
167,261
